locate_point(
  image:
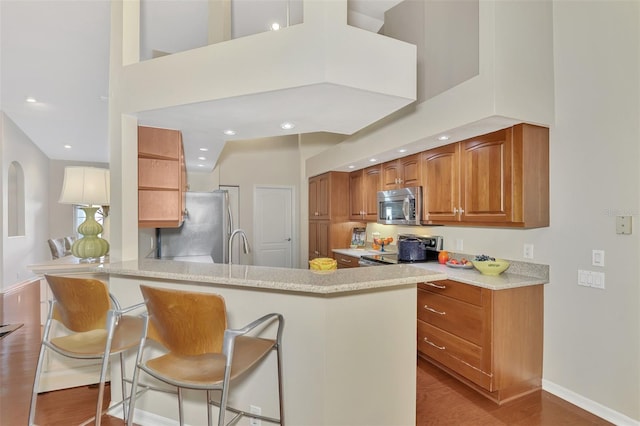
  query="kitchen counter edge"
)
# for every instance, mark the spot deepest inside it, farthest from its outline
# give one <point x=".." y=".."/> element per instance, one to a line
<point x="525" y="274"/>
<point x="271" y="278"/>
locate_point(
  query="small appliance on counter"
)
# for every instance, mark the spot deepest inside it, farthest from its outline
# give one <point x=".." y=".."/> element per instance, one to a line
<point x="411" y="248"/>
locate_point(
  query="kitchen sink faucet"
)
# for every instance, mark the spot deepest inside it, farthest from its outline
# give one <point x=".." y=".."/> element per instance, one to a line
<point x="245" y="242"/>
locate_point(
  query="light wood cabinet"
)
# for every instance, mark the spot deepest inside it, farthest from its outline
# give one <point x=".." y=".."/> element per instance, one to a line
<point x="329" y="196"/>
<point x="346" y="261"/>
<point x="329" y="225"/>
<point x="363" y="188"/>
<point x="501" y="178"/>
<point x="401" y="173"/>
<point x="489" y="339"/>
<point x="162" y="179"/>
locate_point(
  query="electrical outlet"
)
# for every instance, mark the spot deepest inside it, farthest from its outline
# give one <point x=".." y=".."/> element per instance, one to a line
<point x="253" y="409"/>
<point x="591" y="279"/>
<point x="528" y="251"/>
<point x="459" y="244"/>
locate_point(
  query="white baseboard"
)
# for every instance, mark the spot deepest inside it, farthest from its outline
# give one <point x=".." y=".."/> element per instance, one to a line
<point x="144" y="418"/>
<point x="593" y="407"/>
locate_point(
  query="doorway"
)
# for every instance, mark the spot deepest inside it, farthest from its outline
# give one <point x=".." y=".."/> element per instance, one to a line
<point x="273" y="220"/>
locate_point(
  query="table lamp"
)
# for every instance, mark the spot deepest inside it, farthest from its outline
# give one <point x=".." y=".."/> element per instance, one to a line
<point x="88" y="187"/>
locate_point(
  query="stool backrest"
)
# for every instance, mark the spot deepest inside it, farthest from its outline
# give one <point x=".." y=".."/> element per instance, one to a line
<point x="81" y="303"/>
<point x="186" y="323"/>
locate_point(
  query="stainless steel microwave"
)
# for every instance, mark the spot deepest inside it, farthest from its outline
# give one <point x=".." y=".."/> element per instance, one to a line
<point x="400" y="206"/>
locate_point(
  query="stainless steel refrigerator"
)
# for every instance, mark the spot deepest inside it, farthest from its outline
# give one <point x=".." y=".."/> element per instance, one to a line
<point x="204" y="233"/>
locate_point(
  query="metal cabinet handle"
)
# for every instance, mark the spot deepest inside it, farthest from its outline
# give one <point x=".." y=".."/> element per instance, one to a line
<point x="434" y="311"/>
<point x="442" y="348"/>
<point x="344" y="260"/>
<point x="430" y="284"/>
<point x="461" y="211"/>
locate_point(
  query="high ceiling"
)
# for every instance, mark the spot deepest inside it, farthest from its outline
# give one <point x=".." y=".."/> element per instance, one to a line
<point x="57" y="52"/>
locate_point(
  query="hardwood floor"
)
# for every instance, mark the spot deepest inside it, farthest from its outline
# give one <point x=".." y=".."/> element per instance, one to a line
<point x="441" y="400"/>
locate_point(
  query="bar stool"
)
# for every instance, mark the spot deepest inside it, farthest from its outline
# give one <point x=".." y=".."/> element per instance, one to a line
<point x="98" y="328"/>
<point x="201" y="353"/>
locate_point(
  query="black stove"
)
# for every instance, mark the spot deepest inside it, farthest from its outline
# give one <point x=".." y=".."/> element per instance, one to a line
<point x="387" y="259"/>
<point x="411" y="249"/>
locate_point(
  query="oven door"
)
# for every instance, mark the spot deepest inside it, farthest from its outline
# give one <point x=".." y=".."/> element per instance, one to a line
<point x="366" y="262"/>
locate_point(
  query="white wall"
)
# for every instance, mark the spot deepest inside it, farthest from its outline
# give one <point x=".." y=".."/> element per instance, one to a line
<point x="592" y="337"/>
<point x="269" y="161"/>
<point x="19" y="251"/>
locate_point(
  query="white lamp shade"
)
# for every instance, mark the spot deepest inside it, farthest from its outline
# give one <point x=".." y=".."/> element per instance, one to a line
<point x="85" y="186"/>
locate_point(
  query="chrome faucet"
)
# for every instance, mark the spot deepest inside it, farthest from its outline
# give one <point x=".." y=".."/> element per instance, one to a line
<point x="245" y="242"/>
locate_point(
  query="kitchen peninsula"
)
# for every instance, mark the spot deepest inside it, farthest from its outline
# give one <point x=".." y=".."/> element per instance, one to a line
<point x="349" y="342"/>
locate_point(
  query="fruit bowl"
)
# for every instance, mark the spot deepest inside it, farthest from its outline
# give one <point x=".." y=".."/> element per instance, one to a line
<point x="491" y="267"/>
<point x="323" y="264"/>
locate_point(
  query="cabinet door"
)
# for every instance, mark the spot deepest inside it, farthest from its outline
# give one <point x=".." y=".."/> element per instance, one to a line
<point x="371" y="186"/>
<point x="159" y="143"/>
<point x="313" y="240"/>
<point x="440" y="183"/>
<point x="356" y="195"/>
<point x="485" y="178"/>
<point x="410" y="171"/>
<point x="313" y="197"/>
<point x="390" y="175"/>
<point x="319" y="203"/>
<point x="318" y="239"/>
<point x="162" y="180"/>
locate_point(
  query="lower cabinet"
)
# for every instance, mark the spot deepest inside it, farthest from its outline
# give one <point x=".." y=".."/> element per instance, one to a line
<point x="489" y="339"/>
<point x="324" y="236"/>
<point x="345" y="261"/>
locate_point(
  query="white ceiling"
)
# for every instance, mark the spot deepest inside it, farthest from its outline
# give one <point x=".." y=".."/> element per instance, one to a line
<point x="57" y="52"/>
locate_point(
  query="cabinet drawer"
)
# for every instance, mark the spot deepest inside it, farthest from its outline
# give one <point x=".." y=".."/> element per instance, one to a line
<point x="345" y="261"/>
<point x="466" y="293"/>
<point x="459" y="318"/>
<point x="455" y="353"/>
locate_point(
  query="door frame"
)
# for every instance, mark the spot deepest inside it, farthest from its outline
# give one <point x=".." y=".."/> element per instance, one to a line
<point x="294" y="218"/>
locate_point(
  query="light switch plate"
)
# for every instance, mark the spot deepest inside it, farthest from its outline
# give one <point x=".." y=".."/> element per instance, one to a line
<point x="597" y="257"/>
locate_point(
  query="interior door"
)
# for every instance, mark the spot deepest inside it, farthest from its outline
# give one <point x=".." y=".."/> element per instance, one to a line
<point x="273" y="226"/>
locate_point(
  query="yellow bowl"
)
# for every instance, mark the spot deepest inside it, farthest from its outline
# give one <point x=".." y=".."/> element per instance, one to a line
<point x="491" y="267"/>
<point x="323" y="264"/>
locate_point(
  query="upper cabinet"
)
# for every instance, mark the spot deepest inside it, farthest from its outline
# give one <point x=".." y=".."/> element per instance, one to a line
<point x="329" y="196"/>
<point x="162" y="179"/>
<point x="500" y="179"/>
<point x="364" y="186"/>
<point x="401" y="173"/>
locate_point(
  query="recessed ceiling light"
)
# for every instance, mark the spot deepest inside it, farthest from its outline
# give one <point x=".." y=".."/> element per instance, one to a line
<point x="352" y="166"/>
<point x="202" y="158"/>
<point x="402" y="150"/>
<point x="275" y="26"/>
<point x="443" y="138"/>
<point x="200" y="165"/>
<point x="287" y="125"/>
<point x="373" y="160"/>
<point x="67" y="146"/>
<point x="229" y="132"/>
<point x="204" y="149"/>
<point x="30" y="99"/>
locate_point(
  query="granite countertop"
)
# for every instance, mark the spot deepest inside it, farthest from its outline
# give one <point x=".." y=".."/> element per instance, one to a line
<point x="519" y="274"/>
<point x="282" y="279"/>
